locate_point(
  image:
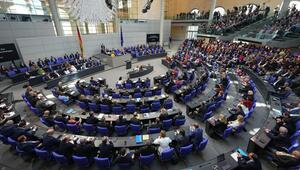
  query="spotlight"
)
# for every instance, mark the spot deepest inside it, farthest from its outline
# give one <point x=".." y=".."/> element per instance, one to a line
<point x="147" y="6"/>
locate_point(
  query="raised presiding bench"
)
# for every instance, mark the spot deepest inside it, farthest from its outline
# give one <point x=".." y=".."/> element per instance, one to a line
<point x="74" y="76"/>
<point x="115" y="61"/>
<point x="146" y="57"/>
<point x="141" y="72"/>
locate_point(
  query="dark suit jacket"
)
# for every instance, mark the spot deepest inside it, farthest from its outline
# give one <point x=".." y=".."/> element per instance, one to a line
<point x="66" y="149"/>
<point x="279" y="141"/>
<point x="145" y="150"/>
<point x="106" y="150"/>
<point x="92" y="120"/>
<point x="197" y="136"/>
<point x="8" y="130"/>
<point x="246" y="164"/>
<point x="121" y="122"/>
<point x="286" y="161"/>
<point x="86" y="149"/>
<point x="50" y="143"/>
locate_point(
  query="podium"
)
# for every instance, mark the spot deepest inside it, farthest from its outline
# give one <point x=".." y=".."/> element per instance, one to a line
<point x="128" y="64"/>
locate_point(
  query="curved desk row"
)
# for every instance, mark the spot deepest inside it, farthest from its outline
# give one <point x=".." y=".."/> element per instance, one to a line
<point x="141" y="72"/>
<point x="119" y="142"/>
<point x="74" y="76"/>
<point x="113" y="117"/>
<point x="146" y="57"/>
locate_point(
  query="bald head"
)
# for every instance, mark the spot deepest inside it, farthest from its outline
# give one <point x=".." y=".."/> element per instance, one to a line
<point x="283" y="130"/>
<point x="50" y="131"/>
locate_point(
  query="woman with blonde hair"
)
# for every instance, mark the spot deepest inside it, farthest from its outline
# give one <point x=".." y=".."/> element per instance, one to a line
<point x="236" y="123"/>
<point x="163" y="141"/>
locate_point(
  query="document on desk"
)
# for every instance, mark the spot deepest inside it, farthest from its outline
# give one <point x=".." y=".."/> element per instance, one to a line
<point x="100" y="116"/>
<point x="145" y="137"/>
<point x="69" y="111"/>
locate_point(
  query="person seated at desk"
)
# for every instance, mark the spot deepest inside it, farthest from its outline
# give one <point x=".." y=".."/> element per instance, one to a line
<point x="73" y="120"/>
<point x="53" y="59"/>
<point x="236" y="123"/>
<point x="66" y="71"/>
<point x="61" y="88"/>
<point x="291" y="108"/>
<point x="72" y="69"/>
<point x="224" y="81"/>
<point x="41" y="71"/>
<point x="235" y="112"/>
<point x="124" y="157"/>
<point x="278" y="141"/>
<point x="179" y="116"/>
<point x="121" y="121"/>
<point x="66" y="148"/>
<point x="40" y="63"/>
<point x="106" y="148"/>
<point x="218" y="125"/>
<point x="285" y="160"/>
<point x="155" y="124"/>
<point x="106" y="100"/>
<point x="250" y="162"/>
<point x="245" y="87"/>
<point x="196" y="134"/>
<point x="120" y="82"/>
<point x="63" y="97"/>
<point x="49" y="143"/>
<point x="148" y="149"/>
<point x="103" y="123"/>
<point x="32" y="98"/>
<point x="83" y="98"/>
<point x="61" y="118"/>
<point x="135" y="120"/>
<point x="27" y="146"/>
<point x="163" y="141"/>
<point x="181" y="139"/>
<point x="86" y="148"/>
<point x="21" y="129"/>
<point x="128" y="81"/>
<point x="92" y="81"/>
<point x="91" y="119"/>
<point x="47" y="118"/>
<point x="198" y="112"/>
<point x="8" y="128"/>
<point x="279" y="82"/>
<point x="163" y="114"/>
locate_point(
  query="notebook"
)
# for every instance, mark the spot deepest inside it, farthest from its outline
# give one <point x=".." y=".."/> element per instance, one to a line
<point x="138" y="139"/>
<point x="145" y="137"/>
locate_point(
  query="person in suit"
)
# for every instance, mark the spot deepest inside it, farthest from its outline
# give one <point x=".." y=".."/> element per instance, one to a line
<point x="8" y="128"/>
<point x="181" y="139"/>
<point x="106" y="148"/>
<point x="61" y="118"/>
<point x="279" y="82"/>
<point x="124" y="157"/>
<point x="106" y="101"/>
<point x="155" y="124"/>
<point x="121" y="121"/>
<point x="249" y="163"/>
<point x="179" y="116"/>
<point x="49" y="143"/>
<point x="86" y="148"/>
<point x="135" y="120"/>
<point x="91" y="119"/>
<point x="280" y="140"/>
<point x="285" y="160"/>
<point x="220" y="124"/>
<point x="163" y="114"/>
<point x="148" y="149"/>
<point x="48" y="119"/>
<point x="23" y="130"/>
<point x="27" y="146"/>
<point x="196" y="135"/>
<point x="66" y="148"/>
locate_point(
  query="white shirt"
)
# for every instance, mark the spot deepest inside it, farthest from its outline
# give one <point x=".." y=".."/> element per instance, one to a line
<point x="163" y="143"/>
<point x="73" y="69"/>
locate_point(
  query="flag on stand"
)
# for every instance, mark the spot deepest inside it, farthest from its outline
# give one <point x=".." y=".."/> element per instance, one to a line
<point x="80" y="41"/>
<point x="122" y="40"/>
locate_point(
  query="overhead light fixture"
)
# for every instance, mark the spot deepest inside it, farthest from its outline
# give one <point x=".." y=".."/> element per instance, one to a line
<point x="92" y="11"/>
<point x="147" y="6"/>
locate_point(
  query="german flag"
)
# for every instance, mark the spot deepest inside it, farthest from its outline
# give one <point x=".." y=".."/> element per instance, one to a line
<point x="80" y="41"/>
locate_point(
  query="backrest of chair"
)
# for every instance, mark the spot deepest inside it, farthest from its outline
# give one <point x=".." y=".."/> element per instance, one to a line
<point x="137" y="95"/>
<point x="88" y="127"/>
<point x="104" y="108"/>
<point x="153" y="130"/>
<point x="93" y="106"/>
<point x="124" y="165"/>
<point x="157" y="92"/>
<point x="130" y="108"/>
<point x="121" y="130"/>
<point x="116" y="95"/>
<point x="202" y="144"/>
<point x="294" y="146"/>
<point x="167" y="123"/>
<point x="82" y="105"/>
<point x="147" y="159"/>
<point x="61" y="159"/>
<point x="167" y="154"/>
<point x="148" y="94"/>
<point x="295" y="135"/>
<point x="168" y="104"/>
<point x="103" y="163"/>
<point x="42" y="154"/>
<point x="298" y="125"/>
<point x="185" y="150"/>
<point x="60" y="124"/>
<point x="128" y="85"/>
<point x="81" y="161"/>
<point x="117" y="109"/>
<point x="73" y="128"/>
<point x="179" y="122"/>
<point x="145" y="110"/>
<point x="227" y="132"/>
<point x="103" y="131"/>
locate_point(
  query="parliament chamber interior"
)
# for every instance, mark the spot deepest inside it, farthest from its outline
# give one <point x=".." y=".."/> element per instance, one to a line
<point x="150" y="84"/>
